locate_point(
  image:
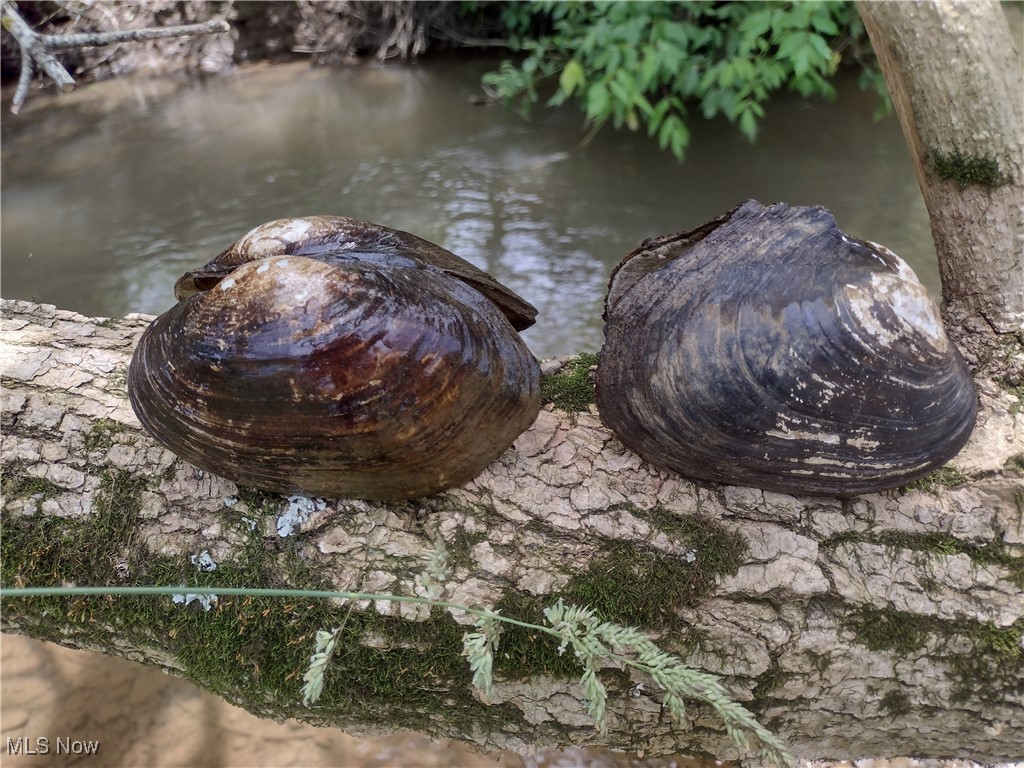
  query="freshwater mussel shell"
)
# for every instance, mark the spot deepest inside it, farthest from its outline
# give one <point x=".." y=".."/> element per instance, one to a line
<point x="333" y="377"/>
<point x="768" y="349"/>
<point x="341" y="240"/>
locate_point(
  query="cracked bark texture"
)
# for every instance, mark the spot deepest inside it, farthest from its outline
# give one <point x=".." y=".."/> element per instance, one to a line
<point x="791" y="630"/>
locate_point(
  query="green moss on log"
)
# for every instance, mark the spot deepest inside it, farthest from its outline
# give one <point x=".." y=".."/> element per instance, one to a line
<point x="571" y="388"/>
<point x="992" y="667"/>
<point x="936" y="480"/>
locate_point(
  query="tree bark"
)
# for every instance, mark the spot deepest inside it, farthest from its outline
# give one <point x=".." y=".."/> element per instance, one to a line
<point x="955" y="80"/>
<point x="883" y="625"/>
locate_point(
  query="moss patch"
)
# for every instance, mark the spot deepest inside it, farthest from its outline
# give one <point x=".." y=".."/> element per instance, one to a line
<point x="993" y="667"/>
<point x="636" y="585"/>
<point x="523" y="652"/>
<point x="896" y="704"/>
<point x="891" y="630"/>
<point x="1017" y="390"/>
<point x="102" y="436"/>
<point x="19" y="485"/>
<point x="571" y="388"/>
<point x="942" y="544"/>
<point x="769" y="680"/>
<point x="248" y="650"/>
<point x="258" y="501"/>
<point x="460" y="546"/>
<point x="628" y="583"/>
<point x="1014" y="463"/>
<point x="52" y="550"/>
<point x="935" y="481"/>
<point x="966" y="170"/>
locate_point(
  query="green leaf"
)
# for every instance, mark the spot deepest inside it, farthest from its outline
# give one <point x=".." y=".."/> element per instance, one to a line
<point x="657" y="115"/>
<point x="757" y="23"/>
<point x="619" y="91"/>
<point x="674" y="32"/>
<point x="822" y="21"/>
<point x="748" y="124"/>
<point x="791" y="43"/>
<point x="674" y="135"/>
<point x="817" y="42"/>
<point x="636" y="64"/>
<point x="726" y="74"/>
<point x="649" y="66"/>
<point x="802" y="61"/>
<point x="598" y="101"/>
<point x="572" y="77"/>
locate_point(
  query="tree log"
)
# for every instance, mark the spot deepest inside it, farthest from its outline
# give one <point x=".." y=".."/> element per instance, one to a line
<point x="881" y="625"/>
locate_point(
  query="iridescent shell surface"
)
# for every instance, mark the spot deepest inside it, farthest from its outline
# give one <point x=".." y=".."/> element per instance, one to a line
<point x="340" y="240"/>
<point x="769" y="349"/>
<point x="343" y="371"/>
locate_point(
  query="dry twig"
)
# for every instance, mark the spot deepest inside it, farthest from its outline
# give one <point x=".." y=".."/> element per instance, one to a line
<point x="36" y="49"/>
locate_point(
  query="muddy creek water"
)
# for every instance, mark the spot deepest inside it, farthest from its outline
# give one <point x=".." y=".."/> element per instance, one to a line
<point x="109" y="194"/>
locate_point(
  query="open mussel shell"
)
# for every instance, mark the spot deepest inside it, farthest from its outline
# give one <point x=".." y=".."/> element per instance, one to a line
<point x="768" y="349"/>
<point x="362" y="378"/>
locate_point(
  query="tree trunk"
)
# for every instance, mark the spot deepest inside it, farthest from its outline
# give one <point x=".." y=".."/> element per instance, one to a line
<point x="883" y="625"/>
<point x="955" y="80"/>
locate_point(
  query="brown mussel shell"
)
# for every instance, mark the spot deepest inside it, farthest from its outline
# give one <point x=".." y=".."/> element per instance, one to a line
<point x="337" y="239"/>
<point x="367" y="378"/>
<point x="768" y="349"/>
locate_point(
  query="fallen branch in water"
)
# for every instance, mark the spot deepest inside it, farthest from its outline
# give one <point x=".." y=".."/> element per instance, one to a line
<point x="36" y="49"/>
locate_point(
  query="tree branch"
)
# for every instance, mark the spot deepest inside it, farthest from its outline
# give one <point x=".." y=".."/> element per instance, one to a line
<point x="35" y="48"/>
<point x="887" y="624"/>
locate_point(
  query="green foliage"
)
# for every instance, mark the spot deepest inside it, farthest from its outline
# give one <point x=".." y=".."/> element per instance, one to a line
<point x="648" y="65"/>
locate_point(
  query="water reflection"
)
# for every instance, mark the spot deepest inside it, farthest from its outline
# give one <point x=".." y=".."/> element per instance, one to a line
<point x="110" y="194"/>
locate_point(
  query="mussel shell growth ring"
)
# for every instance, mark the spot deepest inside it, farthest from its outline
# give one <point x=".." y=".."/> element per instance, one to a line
<point x="769" y="349"/>
<point x="341" y="372"/>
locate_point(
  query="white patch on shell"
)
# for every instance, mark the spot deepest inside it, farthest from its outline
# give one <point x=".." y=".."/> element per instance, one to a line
<point x="862" y="443"/>
<point x="901" y="297"/>
<point x="828" y="388"/>
<point x="272" y="238"/>
<point x="902" y="268"/>
<point x="226" y="284"/>
<point x="263" y="267"/>
<point x="819" y="437"/>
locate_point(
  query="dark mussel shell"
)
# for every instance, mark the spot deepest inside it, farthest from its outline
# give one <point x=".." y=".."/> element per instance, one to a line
<point x="368" y="378"/>
<point x="769" y="349"/>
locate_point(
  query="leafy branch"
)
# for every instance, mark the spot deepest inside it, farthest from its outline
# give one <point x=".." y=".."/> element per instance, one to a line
<point x="647" y="65"/>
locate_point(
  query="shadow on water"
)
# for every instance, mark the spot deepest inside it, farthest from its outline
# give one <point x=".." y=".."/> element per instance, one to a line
<point x="111" y="193"/>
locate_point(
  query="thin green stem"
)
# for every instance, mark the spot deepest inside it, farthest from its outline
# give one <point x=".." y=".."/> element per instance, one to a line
<point x="250" y="592"/>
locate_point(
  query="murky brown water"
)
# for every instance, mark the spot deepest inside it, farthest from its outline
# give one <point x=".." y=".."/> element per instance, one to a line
<point x="109" y="194"/>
